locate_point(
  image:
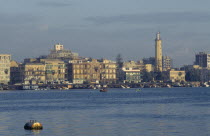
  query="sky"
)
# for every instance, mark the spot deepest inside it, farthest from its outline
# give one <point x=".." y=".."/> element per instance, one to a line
<point x="105" y="28"/>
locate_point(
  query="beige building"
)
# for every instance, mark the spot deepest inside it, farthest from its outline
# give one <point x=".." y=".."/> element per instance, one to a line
<point x="5" y="68"/>
<point x="60" y="53"/>
<point x="52" y="71"/>
<point x="134" y="65"/>
<point x="149" y="67"/>
<point x="167" y="63"/>
<point x="55" y="70"/>
<point x="107" y="71"/>
<point x="91" y="71"/>
<point x="176" y="76"/>
<point x="32" y="73"/>
<point x="158" y="53"/>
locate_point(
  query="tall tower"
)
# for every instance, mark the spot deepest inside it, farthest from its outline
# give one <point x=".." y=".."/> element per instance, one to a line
<point x="158" y="53"/>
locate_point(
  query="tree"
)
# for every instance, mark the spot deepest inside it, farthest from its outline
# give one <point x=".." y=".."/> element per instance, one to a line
<point x="192" y="75"/>
<point x="119" y="61"/>
<point x="147" y="76"/>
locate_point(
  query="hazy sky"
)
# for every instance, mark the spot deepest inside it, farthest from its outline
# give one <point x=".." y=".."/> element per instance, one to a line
<point x="105" y="28"/>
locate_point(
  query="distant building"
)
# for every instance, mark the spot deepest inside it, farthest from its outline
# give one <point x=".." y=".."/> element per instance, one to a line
<point x="131" y="72"/>
<point x="5" y="68"/>
<point x="134" y="65"/>
<point x="202" y="59"/>
<point x="131" y="75"/>
<point x="32" y="73"/>
<point x="92" y="71"/>
<point x="176" y="75"/>
<point x="167" y="63"/>
<point x="55" y="70"/>
<point x="149" y="67"/>
<point x="43" y="70"/>
<point x="60" y="53"/>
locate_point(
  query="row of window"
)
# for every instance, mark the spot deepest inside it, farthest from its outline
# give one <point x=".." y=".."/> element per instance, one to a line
<point x="4" y="77"/>
<point x="5" y="65"/>
<point x="4" y="61"/>
<point x="89" y="71"/>
<point x="94" y="77"/>
<point x="4" y="57"/>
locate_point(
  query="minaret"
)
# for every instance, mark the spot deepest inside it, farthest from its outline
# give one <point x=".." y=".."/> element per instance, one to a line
<point x="158" y="53"/>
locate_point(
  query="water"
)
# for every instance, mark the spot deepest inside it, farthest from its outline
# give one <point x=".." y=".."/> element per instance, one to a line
<point x="118" y="112"/>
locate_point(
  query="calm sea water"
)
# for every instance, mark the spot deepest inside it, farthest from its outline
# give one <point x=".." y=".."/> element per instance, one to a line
<point x="118" y="112"/>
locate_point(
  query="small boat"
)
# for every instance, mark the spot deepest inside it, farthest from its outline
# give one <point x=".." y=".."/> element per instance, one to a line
<point x="138" y="90"/>
<point x="103" y="90"/>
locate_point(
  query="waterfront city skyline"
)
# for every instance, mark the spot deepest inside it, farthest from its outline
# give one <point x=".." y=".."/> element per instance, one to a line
<point x="105" y="28"/>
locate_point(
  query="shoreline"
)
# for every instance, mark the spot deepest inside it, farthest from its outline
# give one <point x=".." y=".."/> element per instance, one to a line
<point x="98" y="86"/>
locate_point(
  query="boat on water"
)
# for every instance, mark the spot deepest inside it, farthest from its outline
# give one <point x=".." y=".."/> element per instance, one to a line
<point x="138" y="90"/>
<point x="103" y="90"/>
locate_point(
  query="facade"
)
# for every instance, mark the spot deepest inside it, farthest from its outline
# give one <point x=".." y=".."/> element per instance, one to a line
<point x="149" y="67"/>
<point x="35" y="71"/>
<point x="32" y="73"/>
<point x="134" y="65"/>
<point x="131" y="75"/>
<point x="92" y="71"/>
<point x="60" y="53"/>
<point x="203" y="60"/>
<point x="55" y="70"/>
<point x="108" y="71"/>
<point x="176" y="76"/>
<point x="167" y="63"/>
<point x="158" y="53"/>
<point x="5" y="68"/>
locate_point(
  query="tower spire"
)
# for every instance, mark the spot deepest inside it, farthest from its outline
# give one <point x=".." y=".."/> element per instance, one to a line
<point x="158" y="36"/>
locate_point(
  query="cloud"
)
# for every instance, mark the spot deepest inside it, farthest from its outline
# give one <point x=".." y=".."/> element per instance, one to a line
<point x="153" y="18"/>
<point x="21" y="18"/>
<point x="54" y="4"/>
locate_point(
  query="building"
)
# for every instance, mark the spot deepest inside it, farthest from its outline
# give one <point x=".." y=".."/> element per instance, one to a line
<point x="202" y="59"/>
<point x="134" y="65"/>
<point x="55" y="70"/>
<point x="107" y="71"/>
<point x="92" y="71"/>
<point x="32" y="73"/>
<point x="176" y="75"/>
<point x="149" y="67"/>
<point x="60" y="53"/>
<point x="5" y="68"/>
<point x="167" y="63"/>
<point x="131" y="75"/>
<point x="158" y="53"/>
<point x="131" y="72"/>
